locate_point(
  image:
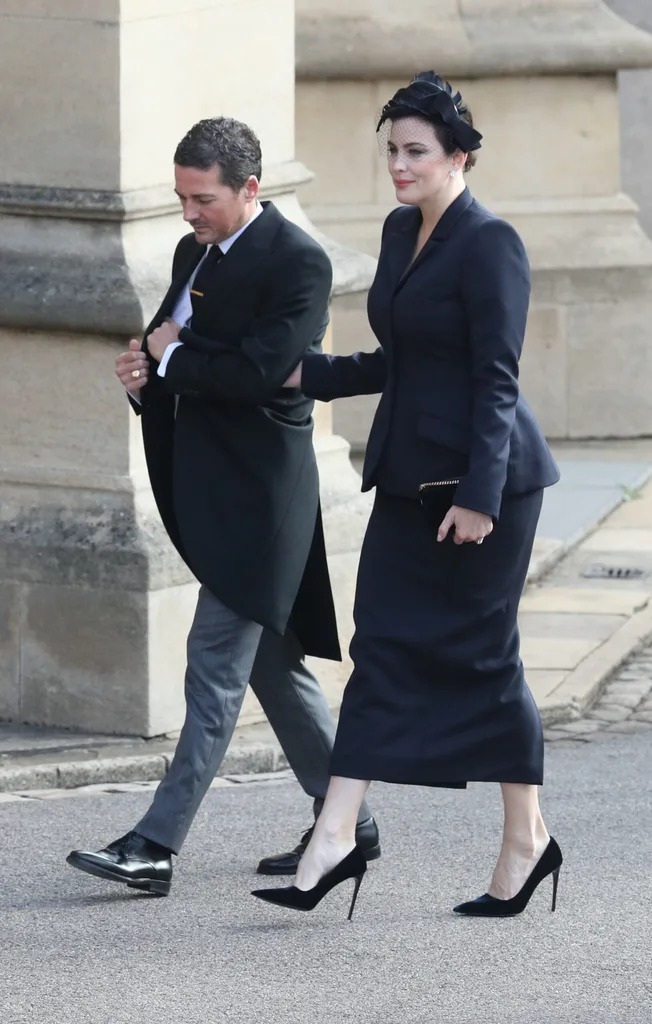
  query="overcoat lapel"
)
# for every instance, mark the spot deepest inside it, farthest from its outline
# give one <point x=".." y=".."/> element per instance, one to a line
<point x="244" y="255"/>
<point x="252" y="247"/>
<point x="184" y="270"/>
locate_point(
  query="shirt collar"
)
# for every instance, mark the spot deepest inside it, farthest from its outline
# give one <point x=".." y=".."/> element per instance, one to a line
<point x="228" y="242"/>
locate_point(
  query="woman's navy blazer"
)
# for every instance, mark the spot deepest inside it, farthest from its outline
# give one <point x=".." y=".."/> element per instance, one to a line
<point x="450" y="327"/>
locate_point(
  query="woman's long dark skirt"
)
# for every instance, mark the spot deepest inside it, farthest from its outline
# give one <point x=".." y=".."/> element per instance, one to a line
<point x="438" y="696"/>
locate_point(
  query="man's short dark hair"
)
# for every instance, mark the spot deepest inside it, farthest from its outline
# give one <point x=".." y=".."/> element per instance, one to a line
<point x="225" y="143"/>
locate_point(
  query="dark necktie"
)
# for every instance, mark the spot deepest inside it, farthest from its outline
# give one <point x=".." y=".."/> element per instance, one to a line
<point x="204" y="277"/>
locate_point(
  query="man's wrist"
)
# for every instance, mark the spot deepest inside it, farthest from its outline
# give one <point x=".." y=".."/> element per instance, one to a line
<point x="165" y="358"/>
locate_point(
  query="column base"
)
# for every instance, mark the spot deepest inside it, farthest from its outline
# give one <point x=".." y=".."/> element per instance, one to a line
<point x="87" y="639"/>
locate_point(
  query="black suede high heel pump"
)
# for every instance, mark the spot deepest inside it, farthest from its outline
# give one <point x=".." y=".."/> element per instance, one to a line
<point x="354" y="866"/>
<point x="489" y="906"/>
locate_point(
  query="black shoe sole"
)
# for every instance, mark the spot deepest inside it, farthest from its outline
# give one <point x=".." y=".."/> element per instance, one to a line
<point x="373" y="853"/>
<point x="152" y="885"/>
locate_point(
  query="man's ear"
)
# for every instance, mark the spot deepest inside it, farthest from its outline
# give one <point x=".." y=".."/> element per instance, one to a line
<point x="252" y="188"/>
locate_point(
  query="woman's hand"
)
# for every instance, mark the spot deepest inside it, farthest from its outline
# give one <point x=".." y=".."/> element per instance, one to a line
<point x="294" y="380"/>
<point x="469" y="526"/>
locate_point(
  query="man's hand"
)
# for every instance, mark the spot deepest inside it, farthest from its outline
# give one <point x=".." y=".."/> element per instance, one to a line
<point x="129" y="363"/>
<point x="294" y="380"/>
<point x="469" y="526"/>
<point x="163" y="336"/>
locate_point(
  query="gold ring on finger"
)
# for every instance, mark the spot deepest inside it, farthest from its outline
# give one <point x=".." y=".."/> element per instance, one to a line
<point x="135" y="373"/>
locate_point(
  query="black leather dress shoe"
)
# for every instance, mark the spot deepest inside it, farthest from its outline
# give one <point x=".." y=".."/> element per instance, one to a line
<point x="366" y="837"/>
<point x="133" y="860"/>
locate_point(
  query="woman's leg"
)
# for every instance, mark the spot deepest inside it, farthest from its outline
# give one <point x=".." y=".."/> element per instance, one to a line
<point x="334" y="834"/>
<point x="525" y="837"/>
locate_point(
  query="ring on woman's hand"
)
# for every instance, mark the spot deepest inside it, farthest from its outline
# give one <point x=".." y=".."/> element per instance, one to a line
<point x="481" y="541"/>
<point x="135" y="373"/>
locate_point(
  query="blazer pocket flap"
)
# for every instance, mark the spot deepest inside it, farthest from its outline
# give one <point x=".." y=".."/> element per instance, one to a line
<point x="444" y="432"/>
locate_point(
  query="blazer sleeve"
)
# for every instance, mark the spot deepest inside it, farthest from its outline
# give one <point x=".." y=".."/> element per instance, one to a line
<point x="496" y="294"/>
<point x="289" y="318"/>
<point x="326" y="377"/>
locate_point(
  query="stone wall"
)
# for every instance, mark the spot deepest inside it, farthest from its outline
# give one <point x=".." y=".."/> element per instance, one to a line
<point x="541" y="78"/>
<point x="95" y="604"/>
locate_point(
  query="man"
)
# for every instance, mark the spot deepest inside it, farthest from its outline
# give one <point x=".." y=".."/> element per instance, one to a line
<point x="234" y="475"/>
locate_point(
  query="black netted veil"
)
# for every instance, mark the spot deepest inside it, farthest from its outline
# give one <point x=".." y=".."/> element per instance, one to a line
<point x="431" y="97"/>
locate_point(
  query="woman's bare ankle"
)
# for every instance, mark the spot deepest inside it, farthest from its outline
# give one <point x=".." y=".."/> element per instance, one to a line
<point x="334" y="833"/>
<point x="528" y="842"/>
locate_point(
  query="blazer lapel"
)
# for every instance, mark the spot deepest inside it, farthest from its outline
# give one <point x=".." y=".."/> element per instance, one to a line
<point x="400" y="249"/>
<point x="442" y="231"/>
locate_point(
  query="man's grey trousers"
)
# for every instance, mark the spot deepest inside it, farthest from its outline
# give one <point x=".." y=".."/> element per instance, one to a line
<point x="225" y="653"/>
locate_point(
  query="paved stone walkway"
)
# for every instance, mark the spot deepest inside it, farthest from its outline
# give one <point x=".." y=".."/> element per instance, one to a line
<point x="577" y="629"/>
<point x="625" y="707"/>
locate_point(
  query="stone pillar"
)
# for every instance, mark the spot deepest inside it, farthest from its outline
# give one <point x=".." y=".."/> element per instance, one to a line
<point x="541" y="77"/>
<point x="635" y="90"/>
<point x="94" y="602"/>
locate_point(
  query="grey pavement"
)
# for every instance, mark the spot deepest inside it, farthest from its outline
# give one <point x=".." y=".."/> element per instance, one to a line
<point x="76" y="949"/>
<point x="587" y="492"/>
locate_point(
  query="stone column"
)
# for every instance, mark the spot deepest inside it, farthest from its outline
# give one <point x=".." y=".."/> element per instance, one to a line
<point x="94" y="602"/>
<point x="541" y="78"/>
<point x="635" y="91"/>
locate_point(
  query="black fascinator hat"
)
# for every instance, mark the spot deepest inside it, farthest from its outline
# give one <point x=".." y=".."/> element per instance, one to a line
<point x="430" y="97"/>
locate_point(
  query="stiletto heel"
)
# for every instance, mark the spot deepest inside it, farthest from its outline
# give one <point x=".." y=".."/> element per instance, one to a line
<point x="354" y="866"/>
<point x="358" y="883"/>
<point x="489" y="906"/>
<point x="555" y="883"/>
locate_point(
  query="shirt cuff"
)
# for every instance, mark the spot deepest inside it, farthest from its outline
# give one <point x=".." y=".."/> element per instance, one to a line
<point x="163" y="365"/>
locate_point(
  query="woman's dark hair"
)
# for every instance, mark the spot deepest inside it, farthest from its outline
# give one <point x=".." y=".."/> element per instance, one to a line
<point x="225" y="143"/>
<point x="431" y="99"/>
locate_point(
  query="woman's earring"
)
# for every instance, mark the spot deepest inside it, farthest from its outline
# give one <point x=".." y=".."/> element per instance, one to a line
<point x="453" y="174"/>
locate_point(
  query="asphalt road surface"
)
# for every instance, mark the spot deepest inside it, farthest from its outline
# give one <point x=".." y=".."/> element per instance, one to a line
<point x="76" y="949"/>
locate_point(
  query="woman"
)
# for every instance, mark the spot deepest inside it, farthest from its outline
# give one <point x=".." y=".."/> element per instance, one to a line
<point x="437" y="696"/>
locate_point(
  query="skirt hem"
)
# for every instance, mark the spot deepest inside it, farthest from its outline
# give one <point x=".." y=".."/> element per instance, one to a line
<point x="413" y="774"/>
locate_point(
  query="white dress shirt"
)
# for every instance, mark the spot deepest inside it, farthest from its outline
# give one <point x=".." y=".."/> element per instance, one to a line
<point x="182" y="312"/>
